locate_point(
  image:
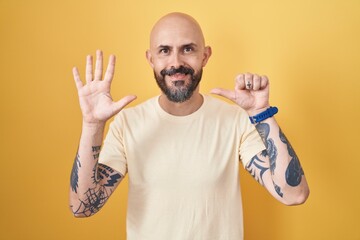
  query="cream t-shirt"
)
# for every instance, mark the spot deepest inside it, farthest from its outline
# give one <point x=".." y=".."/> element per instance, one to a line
<point x="183" y="171"/>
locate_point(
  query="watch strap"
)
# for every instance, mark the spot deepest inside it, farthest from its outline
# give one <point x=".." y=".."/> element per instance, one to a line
<point x="271" y="111"/>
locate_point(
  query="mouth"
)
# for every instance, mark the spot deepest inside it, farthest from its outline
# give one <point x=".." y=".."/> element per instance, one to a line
<point x="177" y="77"/>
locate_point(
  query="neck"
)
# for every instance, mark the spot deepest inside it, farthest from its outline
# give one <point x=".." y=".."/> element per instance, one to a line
<point x="184" y="108"/>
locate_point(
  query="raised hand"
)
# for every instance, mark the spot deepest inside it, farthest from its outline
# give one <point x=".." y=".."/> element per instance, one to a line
<point x="251" y="92"/>
<point x="96" y="103"/>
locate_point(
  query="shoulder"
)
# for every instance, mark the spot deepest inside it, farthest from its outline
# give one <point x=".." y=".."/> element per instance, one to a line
<point x="222" y="107"/>
<point x="139" y="112"/>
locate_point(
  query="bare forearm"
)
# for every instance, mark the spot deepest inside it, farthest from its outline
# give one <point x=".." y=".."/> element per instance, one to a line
<point x="285" y="177"/>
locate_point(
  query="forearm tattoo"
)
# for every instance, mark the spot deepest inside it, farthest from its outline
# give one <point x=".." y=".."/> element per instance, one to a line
<point x="294" y="171"/>
<point x="256" y="167"/>
<point x="96" y="148"/>
<point x="104" y="178"/>
<point x="93" y="201"/>
<point x="74" y="177"/>
<point x="96" y="152"/>
<point x="264" y="130"/>
<point x="271" y="151"/>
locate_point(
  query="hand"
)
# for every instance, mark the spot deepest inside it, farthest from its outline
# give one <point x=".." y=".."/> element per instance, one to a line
<point x="251" y="93"/>
<point x="96" y="103"/>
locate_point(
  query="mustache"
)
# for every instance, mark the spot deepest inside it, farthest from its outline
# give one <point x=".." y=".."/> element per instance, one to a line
<point x="181" y="69"/>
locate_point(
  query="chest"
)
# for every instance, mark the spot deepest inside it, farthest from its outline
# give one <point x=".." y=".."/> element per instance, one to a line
<point x="195" y="154"/>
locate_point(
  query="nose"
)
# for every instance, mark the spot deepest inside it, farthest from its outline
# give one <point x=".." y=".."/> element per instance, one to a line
<point x="176" y="60"/>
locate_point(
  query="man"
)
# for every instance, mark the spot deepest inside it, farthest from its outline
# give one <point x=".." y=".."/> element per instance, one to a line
<point x="181" y="150"/>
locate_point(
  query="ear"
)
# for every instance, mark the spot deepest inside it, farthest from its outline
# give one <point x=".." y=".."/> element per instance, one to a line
<point x="207" y="54"/>
<point x="149" y="58"/>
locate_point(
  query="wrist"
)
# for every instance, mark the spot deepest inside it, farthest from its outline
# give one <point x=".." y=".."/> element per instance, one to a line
<point x="253" y="112"/>
<point x="93" y="125"/>
<point x="259" y="117"/>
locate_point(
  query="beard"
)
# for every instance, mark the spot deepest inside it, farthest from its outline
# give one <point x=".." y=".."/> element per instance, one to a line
<point x="179" y="92"/>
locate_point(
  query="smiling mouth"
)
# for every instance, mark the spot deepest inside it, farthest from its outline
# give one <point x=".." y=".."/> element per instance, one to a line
<point x="177" y="76"/>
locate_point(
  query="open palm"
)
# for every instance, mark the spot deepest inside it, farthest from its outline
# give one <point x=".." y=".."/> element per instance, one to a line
<point x="95" y="99"/>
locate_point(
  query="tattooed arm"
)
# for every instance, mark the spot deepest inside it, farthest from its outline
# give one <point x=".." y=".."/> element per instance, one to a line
<point x="91" y="184"/>
<point x="277" y="168"/>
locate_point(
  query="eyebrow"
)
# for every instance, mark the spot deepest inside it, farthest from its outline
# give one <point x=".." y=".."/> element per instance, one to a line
<point x="184" y="45"/>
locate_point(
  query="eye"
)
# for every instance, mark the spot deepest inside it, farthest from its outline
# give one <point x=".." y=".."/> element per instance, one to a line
<point x="188" y="49"/>
<point x="164" y="51"/>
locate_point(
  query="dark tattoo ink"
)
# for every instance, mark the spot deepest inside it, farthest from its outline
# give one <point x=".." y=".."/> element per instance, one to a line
<point x="94" y="201"/>
<point x="255" y="166"/>
<point x="105" y="172"/>
<point x="248" y="85"/>
<point x="96" y="156"/>
<point x="264" y="130"/>
<point x="294" y="171"/>
<point x="96" y="148"/>
<point x="96" y="197"/>
<point x="74" y="178"/>
<point x="95" y="179"/>
<point x="278" y="190"/>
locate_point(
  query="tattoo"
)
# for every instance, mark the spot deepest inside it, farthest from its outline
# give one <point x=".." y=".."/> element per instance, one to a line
<point x="294" y="171"/>
<point x="278" y="189"/>
<point x="74" y="178"/>
<point x="96" y="148"/>
<point x="264" y="130"/>
<point x="105" y="172"/>
<point x="255" y="165"/>
<point x="95" y="179"/>
<point x="248" y="85"/>
<point x="95" y="198"/>
<point x="94" y="201"/>
<point x="96" y="156"/>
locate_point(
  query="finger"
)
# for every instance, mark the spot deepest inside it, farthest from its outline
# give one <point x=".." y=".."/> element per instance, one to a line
<point x="88" y="74"/>
<point x="109" y="74"/>
<point x="264" y="82"/>
<point x="240" y="82"/>
<point x="256" y="82"/>
<point x="77" y="79"/>
<point x="98" y="65"/>
<point x="249" y="81"/>
<point x="224" y="93"/>
<point x="117" y="106"/>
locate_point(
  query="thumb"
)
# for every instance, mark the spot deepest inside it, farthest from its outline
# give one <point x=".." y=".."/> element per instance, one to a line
<point x="117" y="106"/>
<point x="224" y="93"/>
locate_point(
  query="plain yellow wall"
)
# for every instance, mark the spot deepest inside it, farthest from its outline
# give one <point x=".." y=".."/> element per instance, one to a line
<point x="309" y="49"/>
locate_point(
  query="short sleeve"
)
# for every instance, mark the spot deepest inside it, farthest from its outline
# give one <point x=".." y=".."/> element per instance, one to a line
<point x="113" y="150"/>
<point x="250" y="143"/>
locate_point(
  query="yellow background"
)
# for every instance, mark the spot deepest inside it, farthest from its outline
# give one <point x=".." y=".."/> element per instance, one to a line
<point x="309" y="49"/>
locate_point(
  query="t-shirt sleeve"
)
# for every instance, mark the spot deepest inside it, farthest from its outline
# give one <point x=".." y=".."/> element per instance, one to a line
<point x="113" y="150"/>
<point x="250" y="142"/>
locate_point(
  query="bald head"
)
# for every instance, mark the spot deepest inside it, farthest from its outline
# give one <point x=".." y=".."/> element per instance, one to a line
<point x="175" y="25"/>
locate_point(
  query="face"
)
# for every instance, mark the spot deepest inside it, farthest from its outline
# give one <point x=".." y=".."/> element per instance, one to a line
<point x="177" y="55"/>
